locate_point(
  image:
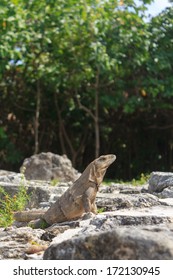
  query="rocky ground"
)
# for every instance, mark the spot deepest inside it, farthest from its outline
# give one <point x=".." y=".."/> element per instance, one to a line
<point x="135" y="222"/>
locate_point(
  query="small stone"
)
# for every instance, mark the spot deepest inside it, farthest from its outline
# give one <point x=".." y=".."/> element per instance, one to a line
<point x="32" y="249"/>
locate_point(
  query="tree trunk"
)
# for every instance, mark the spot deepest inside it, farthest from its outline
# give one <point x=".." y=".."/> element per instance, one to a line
<point x="61" y="138"/>
<point x="96" y="119"/>
<point x="37" y="118"/>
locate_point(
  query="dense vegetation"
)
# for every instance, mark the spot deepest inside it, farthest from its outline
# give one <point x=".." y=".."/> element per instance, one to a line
<point x="86" y="77"/>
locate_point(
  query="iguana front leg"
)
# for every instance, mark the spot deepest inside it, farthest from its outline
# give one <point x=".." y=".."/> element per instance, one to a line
<point x="88" y="207"/>
<point x="94" y="208"/>
<point x="86" y="203"/>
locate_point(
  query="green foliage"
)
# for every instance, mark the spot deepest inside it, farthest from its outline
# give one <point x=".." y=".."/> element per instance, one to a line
<point x="101" y="210"/>
<point x="10" y="204"/>
<point x="141" y="181"/>
<point x="69" y="67"/>
<point x="8" y="151"/>
<point x="54" y="182"/>
<point x="159" y="64"/>
<point x="43" y="224"/>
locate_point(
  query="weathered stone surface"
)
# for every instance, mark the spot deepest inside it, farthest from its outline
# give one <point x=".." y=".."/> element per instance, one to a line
<point x="111" y="201"/>
<point x="167" y="193"/>
<point x="49" y="166"/>
<point x="14" y="242"/>
<point x="10" y="182"/>
<point x="11" y="177"/>
<point x="119" y="244"/>
<point x="123" y="188"/>
<point x="136" y="224"/>
<point x="159" y="181"/>
<point x="112" y="220"/>
<point x="42" y="193"/>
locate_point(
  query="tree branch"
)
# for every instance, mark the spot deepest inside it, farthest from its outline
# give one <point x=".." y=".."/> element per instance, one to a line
<point x="81" y="106"/>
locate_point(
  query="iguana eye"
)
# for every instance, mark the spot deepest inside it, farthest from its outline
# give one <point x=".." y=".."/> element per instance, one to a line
<point x="102" y="158"/>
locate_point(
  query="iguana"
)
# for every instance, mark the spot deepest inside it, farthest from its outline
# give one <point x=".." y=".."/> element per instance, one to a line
<point x="77" y="199"/>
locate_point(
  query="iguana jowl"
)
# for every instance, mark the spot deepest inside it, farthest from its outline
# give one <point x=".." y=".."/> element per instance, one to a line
<point x="80" y="197"/>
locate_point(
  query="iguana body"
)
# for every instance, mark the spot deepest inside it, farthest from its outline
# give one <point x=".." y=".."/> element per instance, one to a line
<point x="80" y="197"/>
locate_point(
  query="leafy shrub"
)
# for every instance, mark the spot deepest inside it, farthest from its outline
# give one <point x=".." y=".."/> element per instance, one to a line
<point x="142" y="180"/>
<point x="10" y="204"/>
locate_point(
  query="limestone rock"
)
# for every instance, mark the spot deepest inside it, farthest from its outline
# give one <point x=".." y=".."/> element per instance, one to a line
<point x="41" y="193"/>
<point x="135" y="224"/>
<point x="123" y="188"/>
<point x="10" y="177"/>
<point x="159" y="181"/>
<point x="119" y="244"/>
<point x="111" y="201"/>
<point x="49" y="166"/>
<point x="167" y="192"/>
<point x="14" y="242"/>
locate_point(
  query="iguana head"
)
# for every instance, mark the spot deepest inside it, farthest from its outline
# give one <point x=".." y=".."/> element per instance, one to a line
<point x="99" y="167"/>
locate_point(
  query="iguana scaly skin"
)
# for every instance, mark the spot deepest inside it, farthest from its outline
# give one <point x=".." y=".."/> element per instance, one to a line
<point x="80" y="197"/>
